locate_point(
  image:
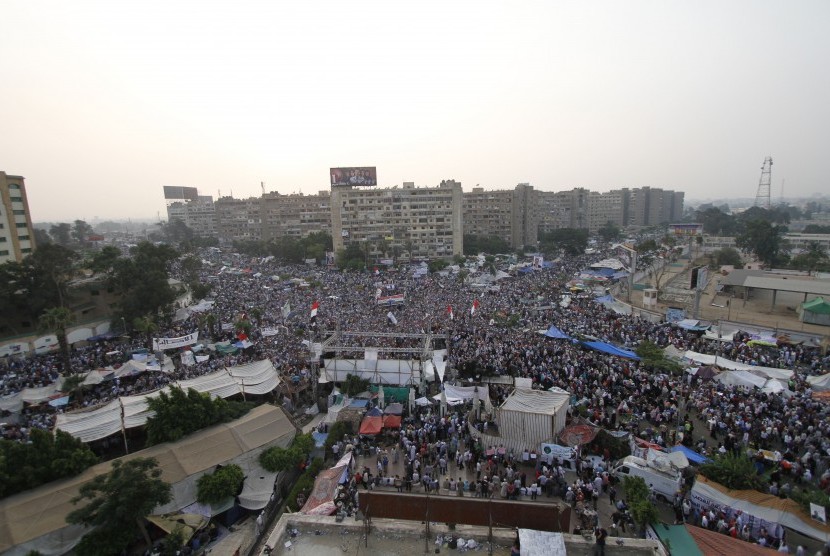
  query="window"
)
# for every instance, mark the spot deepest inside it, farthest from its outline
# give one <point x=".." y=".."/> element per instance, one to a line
<point x="4" y="253"/>
<point x="22" y="237"/>
<point x="19" y="212"/>
<point x="22" y="225"/>
<point x="16" y="199"/>
<point x="26" y="250"/>
<point x="3" y="239"/>
<point x="14" y="186"/>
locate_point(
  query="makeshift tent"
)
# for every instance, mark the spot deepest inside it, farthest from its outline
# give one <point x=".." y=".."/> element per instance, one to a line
<point x="36" y="519"/>
<point x="391" y="421"/>
<point x="707" y="372"/>
<point x="188" y="524"/>
<point x="741" y="378"/>
<point x="765" y="510"/>
<point x="321" y="501"/>
<point x="372" y="423"/>
<point x="393" y="409"/>
<point x="690" y="454"/>
<point x="529" y="417"/>
<point x="820" y="383"/>
<point x="93" y="424"/>
<point x="712" y="543"/>
<point x="816" y="311"/>
<point x="723" y="363"/>
<point x="692" y="325"/>
<point x="391" y="393"/>
<point x="611" y="349"/>
<point x="678" y="538"/>
<point x="459" y="394"/>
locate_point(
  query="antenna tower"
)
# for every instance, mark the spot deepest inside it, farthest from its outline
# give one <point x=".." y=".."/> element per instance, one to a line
<point x="762" y="198"/>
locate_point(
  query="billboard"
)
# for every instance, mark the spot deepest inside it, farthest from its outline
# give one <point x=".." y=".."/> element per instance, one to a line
<point x="363" y="175"/>
<point x="686" y="230"/>
<point x="177" y="192"/>
<point x="700" y="277"/>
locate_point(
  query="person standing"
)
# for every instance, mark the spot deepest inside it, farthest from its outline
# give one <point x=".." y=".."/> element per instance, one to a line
<point x="600" y="534"/>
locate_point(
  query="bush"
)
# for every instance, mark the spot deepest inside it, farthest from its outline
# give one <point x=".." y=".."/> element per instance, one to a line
<point x="283" y="459"/>
<point x="304" y="484"/>
<point x="734" y="471"/>
<point x="223" y="483"/>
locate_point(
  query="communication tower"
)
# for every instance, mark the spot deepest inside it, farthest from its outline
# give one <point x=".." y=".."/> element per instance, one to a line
<point x="762" y="198"/>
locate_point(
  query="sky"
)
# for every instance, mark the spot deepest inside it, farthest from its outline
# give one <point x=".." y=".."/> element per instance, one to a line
<point x="103" y="103"/>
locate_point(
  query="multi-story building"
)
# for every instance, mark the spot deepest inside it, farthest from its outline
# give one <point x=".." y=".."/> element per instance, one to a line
<point x="198" y="214"/>
<point x="563" y="209"/>
<point x="238" y="219"/>
<point x="509" y="215"/>
<point x="612" y="206"/>
<point x="638" y="207"/>
<point x="421" y="221"/>
<point x="295" y="215"/>
<point x="17" y="236"/>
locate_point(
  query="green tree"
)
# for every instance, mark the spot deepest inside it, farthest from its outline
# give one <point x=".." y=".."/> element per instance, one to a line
<point x="104" y="260"/>
<point x="728" y="257"/>
<point x="353" y="257"/>
<point x="609" y="232"/>
<point x="147" y="326"/>
<point x="179" y="413"/>
<point x="61" y="233"/>
<point x="716" y="222"/>
<point x="437" y="265"/>
<point x="142" y="282"/>
<point x="764" y="240"/>
<point x="354" y="385"/>
<point x="81" y="232"/>
<point x="734" y="471"/>
<point x="652" y="356"/>
<point x="117" y="504"/>
<point x="284" y="459"/>
<point x="636" y="493"/>
<point x="814" y="259"/>
<point x="213" y="488"/>
<point x="57" y="320"/>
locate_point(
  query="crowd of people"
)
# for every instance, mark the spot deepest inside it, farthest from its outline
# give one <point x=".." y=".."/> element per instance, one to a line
<point x="490" y="331"/>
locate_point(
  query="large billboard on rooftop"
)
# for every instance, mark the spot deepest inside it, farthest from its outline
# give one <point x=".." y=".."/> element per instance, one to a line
<point x="178" y="192"/>
<point x="362" y="175"/>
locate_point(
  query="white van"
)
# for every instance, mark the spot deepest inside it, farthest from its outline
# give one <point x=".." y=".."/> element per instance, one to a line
<point x="664" y="483"/>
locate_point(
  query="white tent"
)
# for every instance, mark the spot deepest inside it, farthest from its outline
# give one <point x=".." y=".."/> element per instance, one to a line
<point x="819" y="383"/>
<point x="741" y="378"/>
<point x="722" y="362"/>
<point x="529" y="417"/>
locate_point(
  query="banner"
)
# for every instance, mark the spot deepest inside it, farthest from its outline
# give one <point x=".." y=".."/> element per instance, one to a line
<point x="175" y="343"/>
<point x="286" y="310"/>
<point x="269" y="331"/>
<point x="563" y="453"/>
<point x="398" y="299"/>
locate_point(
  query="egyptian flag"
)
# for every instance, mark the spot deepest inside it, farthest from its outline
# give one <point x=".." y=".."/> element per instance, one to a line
<point x="474" y="308"/>
<point x="449" y="312"/>
<point x="241" y="336"/>
<point x="314" y="307"/>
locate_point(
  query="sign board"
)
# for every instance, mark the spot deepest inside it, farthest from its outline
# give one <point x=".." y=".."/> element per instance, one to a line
<point x="183" y="193"/>
<point x="675" y="314"/>
<point x="362" y="175"/>
<point x="700" y="277"/>
<point x="686" y="230"/>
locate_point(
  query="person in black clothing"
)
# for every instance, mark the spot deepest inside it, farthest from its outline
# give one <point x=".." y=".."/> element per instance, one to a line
<point x="601" y="534"/>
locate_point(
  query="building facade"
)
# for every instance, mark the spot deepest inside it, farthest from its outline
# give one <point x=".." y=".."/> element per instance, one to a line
<point x="199" y="215"/>
<point x="17" y="236"/>
<point x="508" y="214"/>
<point x="423" y="222"/>
<point x="562" y="209"/>
<point x="295" y="216"/>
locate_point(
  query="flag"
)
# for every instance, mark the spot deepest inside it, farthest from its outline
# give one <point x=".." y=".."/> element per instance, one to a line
<point x="314" y="307"/>
<point x="286" y="310"/>
<point x="241" y="336"/>
<point x="391" y="318"/>
<point x="474" y="308"/>
<point x="449" y="312"/>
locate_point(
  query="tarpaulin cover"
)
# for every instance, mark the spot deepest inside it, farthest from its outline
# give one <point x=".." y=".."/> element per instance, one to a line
<point x="723" y="363"/>
<point x="611" y="349"/>
<point x="371" y="425"/>
<point x="819" y="383"/>
<point x="554" y="332"/>
<point x="374" y="412"/>
<point x="690" y="454"/>
<point x="321" y="499"/>
<point x="391" y="421"/>
<point x="693" y="325"/>
<point x="578" y="434"/>
<point x="541" y="543"/>
<point x="393" y="409"/>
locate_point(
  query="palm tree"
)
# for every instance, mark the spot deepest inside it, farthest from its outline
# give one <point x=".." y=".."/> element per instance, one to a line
<point x="57" y="320"/>
<point x="210" y="322"/>
<point x="146" y="325"/>
<point x="74" y="386"/>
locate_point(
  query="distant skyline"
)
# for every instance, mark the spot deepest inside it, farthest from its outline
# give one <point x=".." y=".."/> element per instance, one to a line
<point x="103" y="103"/>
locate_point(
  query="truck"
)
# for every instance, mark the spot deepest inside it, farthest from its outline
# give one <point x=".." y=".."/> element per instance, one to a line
<point x="664" y="480"/>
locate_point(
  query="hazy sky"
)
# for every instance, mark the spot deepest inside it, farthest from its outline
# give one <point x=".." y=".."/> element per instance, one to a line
<point x="103" y="103"/>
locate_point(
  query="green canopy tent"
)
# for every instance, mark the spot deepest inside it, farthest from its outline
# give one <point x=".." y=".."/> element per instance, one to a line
<point x="815" y="311"/>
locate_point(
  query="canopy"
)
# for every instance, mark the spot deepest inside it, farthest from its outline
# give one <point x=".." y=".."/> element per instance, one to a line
<point x="741" y="378"/>
<point x="693" y="325"/>
<point x="371" y="425"/>
<point x="529" y="417"/>
<point x="391" y="421"/>
<point x="321" y="500"/>
<point x="819" y="383"/>
<point x="393" y="409"/>
<point x="611" y="349"/>
<point x="690" y="454"/>
<point x="707" y="372"/>
<point x="723" y="363"/>
<point x="578" y="434"/>
<point x="188" y="523"/>
<point x="818" y="305"/>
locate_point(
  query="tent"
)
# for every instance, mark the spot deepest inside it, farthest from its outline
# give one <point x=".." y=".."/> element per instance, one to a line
<point x="816" y="311"/>
<point x="393" y="409"/>
<point x="707" y="372"/>
<point x="690" y="454"/>
<point x="692" y="325"/>
<point x="372" y="423"/>
<point x="820" y="383"/>
<point x="611" y="349"/>
<point x="36" y="519"/>
<point x="723" y="363"/>
<point x="391" y="421"/>
<point x="767" y="510"/>
<point x="529" y="417"/>
<point x="321" y="501"/>
<point x="741" y="378"/>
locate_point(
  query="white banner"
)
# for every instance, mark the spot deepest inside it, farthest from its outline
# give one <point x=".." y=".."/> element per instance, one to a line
<point x="266" y="332"/>
<point x="175" y="343"/>
<point x="550" y="451"/>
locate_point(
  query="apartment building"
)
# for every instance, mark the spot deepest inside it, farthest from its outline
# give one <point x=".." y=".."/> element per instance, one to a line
<point x="295" y="215"/>
<point x="238" y="219"/>
<point x="562" y="209"/>
<point x="17" y="236"/>
<point x="422" y="221"/>
<point x="508" y="214"/>
<point x="198" y="214"/>
<point x="638" y="207"/>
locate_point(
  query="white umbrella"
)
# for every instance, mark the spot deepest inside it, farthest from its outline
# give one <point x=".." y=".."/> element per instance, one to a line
<point x="381" y="397"/>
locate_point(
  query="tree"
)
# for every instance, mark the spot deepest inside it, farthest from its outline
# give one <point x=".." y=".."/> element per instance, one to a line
<point x="572" y="240"/>
<point x="117" y="504"/>
<point x="734" y="471"/>
<point x="764" y="240"/>
<point x="104" y="260"/>
<point x="61" y="233"/>
<point x="728" y="257"/>
<point x="609" y="232"/>
<point x="815" y="258"/>
<point x="179" y="413"/>
<point x="652" y="356"/>
<point x="57" y="320"/>
<point x="81" y="232"/>
<point x="147" y="326"/>
<point x="354" y="385"/>
<point x="637" y="494"/>
<point x="142" y="282"/>
<point x="216" y="487"/>
<point x="276" y="459"/>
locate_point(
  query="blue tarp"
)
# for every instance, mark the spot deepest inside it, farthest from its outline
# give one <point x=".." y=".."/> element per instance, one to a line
<point x="358" y="403"/>
<point x="613" y="350"/>
<point x="604" y="299"/>
<point x="554" y="332"/>
<point x="319" y="438"/>
<point x="374" y="412"/>
<point x="691" y="455"/>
